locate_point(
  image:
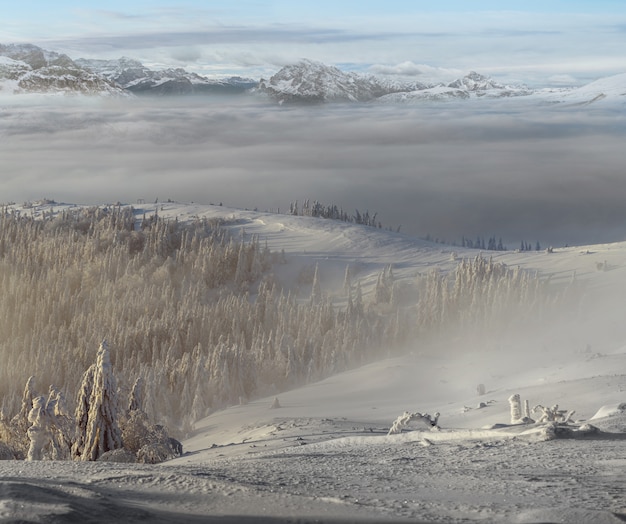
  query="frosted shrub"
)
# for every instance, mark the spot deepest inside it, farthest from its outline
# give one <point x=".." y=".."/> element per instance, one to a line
<point x="553" y="414"/>
<point x="155" y="453"/>
<point x="122" y="455"/>
<point x="6" y="453"/>
<point x="159" y="449"/>
<point x="136" y="431"/>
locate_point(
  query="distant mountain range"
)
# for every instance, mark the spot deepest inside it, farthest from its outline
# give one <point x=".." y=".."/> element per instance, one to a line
<point x="26" y="68"/>
<point x="136" y="78"/>
<point x="309" y="81"/>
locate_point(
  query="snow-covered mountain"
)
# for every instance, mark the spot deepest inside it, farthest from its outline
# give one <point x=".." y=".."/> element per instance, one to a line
<point x="26" y="68"/>
<point x="310" y="81"/>
<point x="472" y="85"/>
<point x="135" y="77"/>
<point x="611" y="89"/>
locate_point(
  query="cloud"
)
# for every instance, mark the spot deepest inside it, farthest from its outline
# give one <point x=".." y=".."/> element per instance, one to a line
<point x="411" y="69"/>
<point x="407" y="68"/>
<point x="564" y="80"/>
<point x="223" y="35"/>
<point x="550" y="175"/>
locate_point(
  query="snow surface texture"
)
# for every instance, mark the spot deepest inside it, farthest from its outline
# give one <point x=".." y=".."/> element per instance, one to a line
<point x="322" y="452"/>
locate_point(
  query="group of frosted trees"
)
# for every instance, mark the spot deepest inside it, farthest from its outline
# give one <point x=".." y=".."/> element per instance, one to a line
<point x="98" y="429"/>
<point x="316" y="209"/>
<point x="197" y="317"/>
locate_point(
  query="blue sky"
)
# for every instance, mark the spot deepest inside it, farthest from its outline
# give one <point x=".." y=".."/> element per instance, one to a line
<point x="549" y="41"/>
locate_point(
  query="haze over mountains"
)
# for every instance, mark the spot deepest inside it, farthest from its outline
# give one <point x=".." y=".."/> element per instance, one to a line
<point x="26" y="68"/>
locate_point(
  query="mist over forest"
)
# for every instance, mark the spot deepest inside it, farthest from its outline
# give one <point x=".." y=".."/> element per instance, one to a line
<point x="538" y="173"/>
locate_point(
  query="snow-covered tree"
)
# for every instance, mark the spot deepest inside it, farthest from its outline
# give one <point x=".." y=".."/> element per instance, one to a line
<point x="62" y="425"/>
<point x="135" y="401"/>
<point x="516" y="408"/>
<point x="316" y="290"/>
<point x="39" y="430"/>
<point x="99" y="431"/>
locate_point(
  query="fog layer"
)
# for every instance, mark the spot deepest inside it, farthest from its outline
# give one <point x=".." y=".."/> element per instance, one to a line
<point x="520" y="172"/>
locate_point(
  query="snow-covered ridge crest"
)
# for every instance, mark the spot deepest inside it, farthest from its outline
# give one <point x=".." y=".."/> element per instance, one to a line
<point x="137" y="78"/>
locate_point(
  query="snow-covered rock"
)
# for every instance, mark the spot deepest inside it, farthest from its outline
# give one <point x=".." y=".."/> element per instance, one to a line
<point x="437" y="93"/>
<point x="135" y="77"/>
<point x="481" y="85"/>
<point x="310" y="81"/>
<point x="26" y="68"/>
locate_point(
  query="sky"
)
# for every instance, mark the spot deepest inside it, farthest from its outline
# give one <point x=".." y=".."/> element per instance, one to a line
<point x="533" y="42"/>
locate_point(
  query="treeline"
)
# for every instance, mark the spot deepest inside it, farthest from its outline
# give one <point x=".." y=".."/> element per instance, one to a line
<point x="479" y="243"/>
<point x="491" y="245"/>
<point x="199" y="317"/>
<point x="316" y="209"/>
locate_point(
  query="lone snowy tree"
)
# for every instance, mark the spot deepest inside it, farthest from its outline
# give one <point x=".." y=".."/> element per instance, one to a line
<point x="316" y="290"/>
<point x="96" y="414"/>
<point x="39" y="431"/>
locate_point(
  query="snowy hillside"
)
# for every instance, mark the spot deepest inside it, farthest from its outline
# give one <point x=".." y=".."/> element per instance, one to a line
<point x="322" y="452"/>
<point x="611" y="89"/>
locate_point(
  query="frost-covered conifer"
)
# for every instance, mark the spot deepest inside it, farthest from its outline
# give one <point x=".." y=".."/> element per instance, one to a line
<point x="101" y="430"/>
<point x="61" y="425"/>
<point x="516" y="408"/>
<point x="135" y="401"/>
<point x="39" y="430"/>
<point x="347" y="280"/>
<point x="316" y="290"/>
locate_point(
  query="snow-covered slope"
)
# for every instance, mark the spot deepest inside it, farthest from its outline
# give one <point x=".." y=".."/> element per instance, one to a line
<point x="27" y="68"/>
<point x="135" y="77"/>
<point x="610" y="89"/>
<point x="321" y="452"/>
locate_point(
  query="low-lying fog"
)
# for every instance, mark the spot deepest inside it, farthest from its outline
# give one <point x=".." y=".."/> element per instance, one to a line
<point x="513" y="169"/>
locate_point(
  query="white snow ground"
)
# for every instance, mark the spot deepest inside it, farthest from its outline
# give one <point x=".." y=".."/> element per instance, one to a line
<point x="325" y="456"/>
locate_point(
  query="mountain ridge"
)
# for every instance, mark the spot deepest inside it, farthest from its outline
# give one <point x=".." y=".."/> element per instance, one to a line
<point x="137" y="78"/>
<point x="27" y="68"/>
